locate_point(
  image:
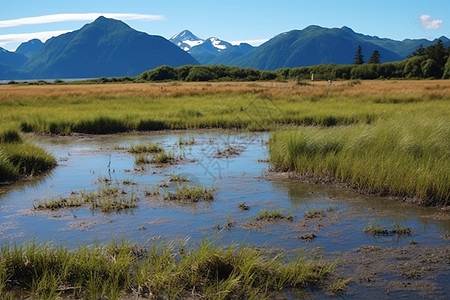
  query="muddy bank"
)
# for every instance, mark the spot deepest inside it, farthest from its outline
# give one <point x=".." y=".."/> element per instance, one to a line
<point x="275" y="175"/>
<point x="412" y="271"/>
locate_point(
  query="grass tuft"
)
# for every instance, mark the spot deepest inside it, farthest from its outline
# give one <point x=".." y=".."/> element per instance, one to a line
<point x="161" y="271"/>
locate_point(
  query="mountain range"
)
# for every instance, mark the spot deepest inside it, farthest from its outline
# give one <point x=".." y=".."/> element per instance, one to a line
<point x="110" y="48"/>
<point x="211" y="50"/>
<point x="103" y="48"/>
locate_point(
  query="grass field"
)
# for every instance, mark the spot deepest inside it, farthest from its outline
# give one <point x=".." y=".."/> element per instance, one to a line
<point x="385" y="137"/>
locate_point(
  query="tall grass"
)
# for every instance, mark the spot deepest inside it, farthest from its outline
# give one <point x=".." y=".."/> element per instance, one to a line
<point x="19" y="160"/>
<point x="162" y="271"/>
<point x="101" y="109"/>
<point x="406" y="156"/>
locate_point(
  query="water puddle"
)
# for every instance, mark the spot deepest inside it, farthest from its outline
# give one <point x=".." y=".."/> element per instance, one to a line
<point x="321" y="219"/>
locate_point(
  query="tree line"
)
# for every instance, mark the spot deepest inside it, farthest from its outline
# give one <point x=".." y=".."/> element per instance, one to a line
<point x="432" y="62"/>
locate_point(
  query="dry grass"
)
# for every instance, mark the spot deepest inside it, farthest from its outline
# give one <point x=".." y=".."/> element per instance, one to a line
<point x="435" y="89"/>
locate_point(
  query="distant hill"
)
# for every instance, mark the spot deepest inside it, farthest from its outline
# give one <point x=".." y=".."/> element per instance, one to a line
<point x="402" y="48"/>
<point x="311" y="46"/>
<point x="11" y="60"/>
<point x="104" y="48"/>
<point x="226" y="57"/>
<point x="30" y="47"/>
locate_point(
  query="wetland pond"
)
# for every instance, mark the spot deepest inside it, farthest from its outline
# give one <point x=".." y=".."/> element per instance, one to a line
<point x="408" y="257"/>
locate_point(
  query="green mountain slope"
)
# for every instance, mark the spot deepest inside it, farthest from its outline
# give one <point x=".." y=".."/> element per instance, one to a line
<point x="104" y="48"/>
<point x="310" y="46"/>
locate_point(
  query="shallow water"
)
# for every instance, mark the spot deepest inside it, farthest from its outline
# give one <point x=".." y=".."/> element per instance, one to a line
<point x="242" y="178"/>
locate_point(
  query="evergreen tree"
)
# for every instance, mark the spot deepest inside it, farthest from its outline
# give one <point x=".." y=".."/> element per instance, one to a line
<point x="359" y="58"/>
<point x="438" y="53"/>
<point x="375" y="57"/>
<point x="419" y="52"/>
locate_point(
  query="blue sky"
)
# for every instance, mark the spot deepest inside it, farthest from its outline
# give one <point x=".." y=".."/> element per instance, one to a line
<point x="232" y="20"/>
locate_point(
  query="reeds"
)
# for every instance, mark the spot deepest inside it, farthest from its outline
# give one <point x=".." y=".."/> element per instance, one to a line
<point x="160" y="271"/>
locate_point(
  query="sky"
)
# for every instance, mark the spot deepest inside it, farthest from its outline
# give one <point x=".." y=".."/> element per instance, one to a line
<point x="252" y="21"/>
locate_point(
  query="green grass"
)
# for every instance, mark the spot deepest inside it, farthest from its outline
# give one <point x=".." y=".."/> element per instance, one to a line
<point x="314" y="213"/>
<point x="145" y="148"/>
<point x="163" y="157"/>
<point x="162" y="271"/>
<point x="20" y="159"/>
<point x="96" y="115"/>
<point x="374" y="228"/>
<point x="186" y="193"/>
<point x="178" y="178"/>
<point x="107" y="198"/>
<point x="407" y="155"/>
<point x="273" y="215"/>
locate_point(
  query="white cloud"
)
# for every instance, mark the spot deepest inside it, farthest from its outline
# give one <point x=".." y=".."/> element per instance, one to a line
<point x="428" y="23"/>
<point x="23" y="37"/>
<point x="56" y="18"/>
<point x="251" y="42"/>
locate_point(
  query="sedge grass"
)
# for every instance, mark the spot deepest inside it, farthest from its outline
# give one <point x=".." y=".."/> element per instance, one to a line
<point x="20" y="159"/>
<point x="188" y="193"/>
<point x="274" y="215"/>
<point x="107" y="199"/>
<point x="121" y="269"/>
<point x="145" y="148"/>
<point x="406" y="157"/>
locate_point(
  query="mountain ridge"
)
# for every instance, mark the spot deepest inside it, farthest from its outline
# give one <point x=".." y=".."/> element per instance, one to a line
<point x="314" y="45"/>
<point x="111" y="48"/>
<point x="103" y="48"/>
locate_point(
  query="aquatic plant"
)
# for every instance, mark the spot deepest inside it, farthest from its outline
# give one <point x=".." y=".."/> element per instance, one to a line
<point x="314" y="213"/>
<point x="145" y="148"/>
<point x="178" y="178"/>
<point x="190" y="193"/>
<point x="163" y="157"/>
<point x="107" y="198"/>
<point x="274" y="215"/>
<point x="374" y="228"/>
<point x="243" y="206"/>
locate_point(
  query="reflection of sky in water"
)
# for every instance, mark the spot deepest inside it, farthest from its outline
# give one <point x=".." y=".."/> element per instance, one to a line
<point x="83" y="161"/>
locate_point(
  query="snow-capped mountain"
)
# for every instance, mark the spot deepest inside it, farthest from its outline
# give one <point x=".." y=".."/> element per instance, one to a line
<point x="186" y="40"/>
<point x="202" y="50"/>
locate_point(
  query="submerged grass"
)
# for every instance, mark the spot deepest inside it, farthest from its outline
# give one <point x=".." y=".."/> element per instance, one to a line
<point x="162" y="271"/>
<point x="188" y="193"/>
<point x="145" y="148"/>
<point x="107" y="198"/>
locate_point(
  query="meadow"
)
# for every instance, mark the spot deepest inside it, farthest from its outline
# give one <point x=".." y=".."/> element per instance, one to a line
<point x="383" y="137"/>
<point x="390" y="138"/>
